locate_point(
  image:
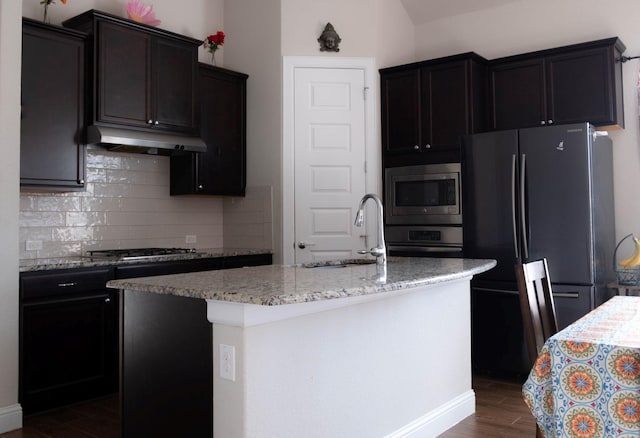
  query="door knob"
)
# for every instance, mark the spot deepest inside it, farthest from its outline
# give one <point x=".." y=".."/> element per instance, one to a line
<point x="303" y="245"/>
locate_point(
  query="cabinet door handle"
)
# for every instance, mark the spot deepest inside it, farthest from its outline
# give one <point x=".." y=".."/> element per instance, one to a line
<point x="550" y="122"/>
<point x="427" y="146"/>
<point x="107" y="300"/>
<point x="67" y="284"/>
<point x="156" y="122"/>
<point x="200" y="187"/>
<point x="566" y="295"/>
<point x="542" y="122"/>
<point x="416" y="147"/>
<point x="150" y="122"/>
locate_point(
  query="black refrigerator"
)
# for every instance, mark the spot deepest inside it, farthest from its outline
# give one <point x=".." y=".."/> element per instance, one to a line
<point x="528" y="194"/>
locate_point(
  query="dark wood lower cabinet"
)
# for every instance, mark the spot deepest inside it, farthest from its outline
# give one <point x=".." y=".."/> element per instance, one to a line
<point x="70" y="326"/>
<point x="166" y="366"/>
<point x="69" y="338"/>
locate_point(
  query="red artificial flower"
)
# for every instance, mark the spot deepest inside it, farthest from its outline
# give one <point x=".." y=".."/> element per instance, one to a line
<point x="212" y="42"/>
<point x="218" y="38"/>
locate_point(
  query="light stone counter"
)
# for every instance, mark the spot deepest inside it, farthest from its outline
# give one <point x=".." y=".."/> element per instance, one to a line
<point x="278" y="284"/>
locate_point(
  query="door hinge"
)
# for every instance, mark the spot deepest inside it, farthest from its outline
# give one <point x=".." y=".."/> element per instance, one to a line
<point x="364" y="92"/>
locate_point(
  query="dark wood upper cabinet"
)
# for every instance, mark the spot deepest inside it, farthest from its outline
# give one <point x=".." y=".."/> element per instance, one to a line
<point x="570" y="84"/>
<point x="52" y="153"/>
<point x="428" y="106"/>
<point x="401" y="112"/>
<point x="446" y="105"/>
<point x="123" y="73"/>
<point x="144" y="77"/>
<point x="518" y="94"/>
<point x="220" y="170"/>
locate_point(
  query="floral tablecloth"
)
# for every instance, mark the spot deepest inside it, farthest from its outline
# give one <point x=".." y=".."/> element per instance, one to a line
<point x="586" y="380"/>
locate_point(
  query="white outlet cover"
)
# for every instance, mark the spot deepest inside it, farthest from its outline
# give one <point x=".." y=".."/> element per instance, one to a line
<point x="33" y="245"/>
<point x="228" y="362"/>
<point x="191" y="238"/>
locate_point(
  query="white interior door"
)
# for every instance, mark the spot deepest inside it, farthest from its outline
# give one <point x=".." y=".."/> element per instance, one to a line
<point x="329" y="162"/>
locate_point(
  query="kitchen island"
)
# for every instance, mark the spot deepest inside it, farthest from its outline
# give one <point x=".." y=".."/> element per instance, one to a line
<point x="337" y="349"/>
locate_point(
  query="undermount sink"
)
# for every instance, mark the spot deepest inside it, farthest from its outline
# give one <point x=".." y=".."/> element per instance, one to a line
<point x="338" y="263"/>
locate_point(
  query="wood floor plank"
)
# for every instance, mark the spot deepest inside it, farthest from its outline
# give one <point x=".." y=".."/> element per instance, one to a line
<point x="500" y="413"/>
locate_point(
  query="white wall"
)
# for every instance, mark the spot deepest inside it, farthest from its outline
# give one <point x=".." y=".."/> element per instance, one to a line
<point x="10" y="33"/>
<point x="529" y="25"/>
<point x="267" y="30"/>
<point x="253" y="29"/>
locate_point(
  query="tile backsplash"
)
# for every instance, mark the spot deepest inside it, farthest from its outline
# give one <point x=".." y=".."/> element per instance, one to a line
<point x="126" y="204"/>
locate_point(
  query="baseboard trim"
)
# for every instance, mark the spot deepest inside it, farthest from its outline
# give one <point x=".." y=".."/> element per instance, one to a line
<point x="10" y="418"/>
<point x="437" y="421"/>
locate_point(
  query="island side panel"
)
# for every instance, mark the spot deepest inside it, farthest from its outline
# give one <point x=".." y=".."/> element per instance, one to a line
<point x="372" y="369"/>
<point x="166" y="366"/>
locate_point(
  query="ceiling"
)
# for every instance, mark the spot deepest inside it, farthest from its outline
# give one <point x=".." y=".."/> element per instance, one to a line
<point x="423" y="11"/>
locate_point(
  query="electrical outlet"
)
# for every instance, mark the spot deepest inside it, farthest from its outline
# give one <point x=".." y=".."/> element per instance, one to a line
<point x="228" y="362"/>
<point x="191" y="238"/>
<point x="34" y="245"/>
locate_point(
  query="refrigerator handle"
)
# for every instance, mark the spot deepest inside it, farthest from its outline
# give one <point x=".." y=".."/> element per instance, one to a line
<point x="513" y="205"/>
<point x="523" y="212"/>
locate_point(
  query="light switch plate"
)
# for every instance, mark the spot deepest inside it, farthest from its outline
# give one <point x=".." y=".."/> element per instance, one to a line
<point x="191" y="238"/>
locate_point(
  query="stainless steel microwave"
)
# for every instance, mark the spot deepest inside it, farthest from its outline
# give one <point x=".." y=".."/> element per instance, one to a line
<point x="424" y="194"/>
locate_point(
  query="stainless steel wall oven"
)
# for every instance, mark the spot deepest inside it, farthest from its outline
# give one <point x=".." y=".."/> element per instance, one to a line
<point x="424" y="210"/>
<point x="424" y="194"/>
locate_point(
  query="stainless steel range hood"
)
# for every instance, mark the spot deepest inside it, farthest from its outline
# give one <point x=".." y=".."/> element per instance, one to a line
<point x="125" y="140"/>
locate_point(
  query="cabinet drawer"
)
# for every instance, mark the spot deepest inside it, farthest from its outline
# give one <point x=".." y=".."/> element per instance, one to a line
<point x="46" y="284"/>
<point x="571" y="303"/>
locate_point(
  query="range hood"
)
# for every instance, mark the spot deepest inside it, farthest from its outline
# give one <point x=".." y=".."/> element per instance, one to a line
<point x="126" y="140"/>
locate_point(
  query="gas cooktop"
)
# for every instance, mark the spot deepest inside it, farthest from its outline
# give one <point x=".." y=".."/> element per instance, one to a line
<point x="138" y="253"/>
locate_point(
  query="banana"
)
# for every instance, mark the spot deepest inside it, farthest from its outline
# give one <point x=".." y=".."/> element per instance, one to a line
<point x="634" y="260"/>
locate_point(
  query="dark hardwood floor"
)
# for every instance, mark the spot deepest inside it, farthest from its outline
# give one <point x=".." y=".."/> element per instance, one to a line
<point x="93" y="419"/>
<point x="500" y="412"/>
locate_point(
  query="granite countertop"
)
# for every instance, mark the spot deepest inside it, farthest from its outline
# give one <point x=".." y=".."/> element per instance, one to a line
<point x="274" y="285"/>
<point x="44" y="264"/>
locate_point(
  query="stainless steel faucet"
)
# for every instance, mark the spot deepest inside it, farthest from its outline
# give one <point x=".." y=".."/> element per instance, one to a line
<point x="379" y="251"/>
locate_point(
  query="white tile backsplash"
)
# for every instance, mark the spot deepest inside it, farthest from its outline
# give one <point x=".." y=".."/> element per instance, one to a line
<point x="126" y="204"/>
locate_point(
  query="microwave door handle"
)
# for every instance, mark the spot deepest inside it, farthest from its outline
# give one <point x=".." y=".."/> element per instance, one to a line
<point x="523" y="212"/>
<point x="513" y="206"/>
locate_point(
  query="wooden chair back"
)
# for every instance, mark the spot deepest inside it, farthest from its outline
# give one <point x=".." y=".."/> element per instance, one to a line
<point x="536" y="303"/>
